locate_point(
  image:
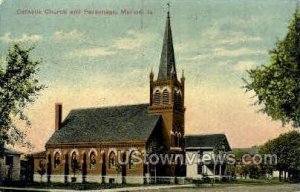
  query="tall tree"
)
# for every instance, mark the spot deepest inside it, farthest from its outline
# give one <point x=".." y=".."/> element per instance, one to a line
<point x="287" y="149"/>
<point x="277" y="84"/>
<point x="19" y="86"/>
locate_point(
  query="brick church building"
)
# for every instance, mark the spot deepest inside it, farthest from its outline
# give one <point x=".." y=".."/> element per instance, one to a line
<point x="89" y="143"/>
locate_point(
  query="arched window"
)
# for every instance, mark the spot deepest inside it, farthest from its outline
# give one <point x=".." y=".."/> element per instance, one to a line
<point x="175" y="98"/>
<point x="74" y="162"/>
<point x="157" y="97"/>
<point x="179" y="140"/>
<point x="179" y="98"/>
<point x="176" y="139"/>
<point x="133" y="159"/>
<point x="165" y="97"/>
<point x="93" y="160"/>
<point x="112" y="160"/>
<point x="56" y="159"/>
<point x="172" y="138"/>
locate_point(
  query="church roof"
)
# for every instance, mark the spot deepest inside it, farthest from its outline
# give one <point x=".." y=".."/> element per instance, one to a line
<point x="206" y="141"/>
<point x="117" y="124"/>
<point x="39" y="154"/>
<point x="167" y="67"/>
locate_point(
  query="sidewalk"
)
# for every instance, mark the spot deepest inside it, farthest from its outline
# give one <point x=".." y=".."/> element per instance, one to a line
<point x="154" y="187"/>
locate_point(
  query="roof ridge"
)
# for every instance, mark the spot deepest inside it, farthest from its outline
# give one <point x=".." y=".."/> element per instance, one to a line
<point x="108" y="107"/>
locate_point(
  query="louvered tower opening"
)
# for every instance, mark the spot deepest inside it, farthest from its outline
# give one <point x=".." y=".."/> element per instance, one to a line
<point x="157" y="97"/>
<point x="165" y="97"/>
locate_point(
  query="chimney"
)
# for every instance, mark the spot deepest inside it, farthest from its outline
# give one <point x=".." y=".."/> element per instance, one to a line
<point x="58" y="116"/>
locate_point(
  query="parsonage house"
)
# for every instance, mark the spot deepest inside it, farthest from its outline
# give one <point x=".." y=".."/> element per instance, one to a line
<point x="202" y="148"/>
<point x="10" y="165"/>
<point x="89" y="143"/>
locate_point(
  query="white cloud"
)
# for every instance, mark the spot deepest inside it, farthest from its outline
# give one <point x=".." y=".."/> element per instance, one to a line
<point x="197" y="58"/>
<point x="219" y="37"/>
<point x="181" y="46"/>
<point x="245" y="22"/>
<point x="71" y="35"/>
<point x="224" y="53"/>
<point x="133" y="40"/>
<point x="92" y="52"/>
<point x="238" y="37"/>
<point x="24" y="38"/>
<point x="221" y="52"/>
<point x="244" y="65"/>
<point x="1" y="1"/>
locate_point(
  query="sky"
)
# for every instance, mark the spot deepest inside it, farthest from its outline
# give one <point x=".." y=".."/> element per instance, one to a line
<point x="95" y="60"/>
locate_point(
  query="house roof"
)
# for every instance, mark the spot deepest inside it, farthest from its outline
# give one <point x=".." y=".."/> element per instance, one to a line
<point x="206" y="141"/>
<point x="8" y="151"/>
<point x="118" y="123"/>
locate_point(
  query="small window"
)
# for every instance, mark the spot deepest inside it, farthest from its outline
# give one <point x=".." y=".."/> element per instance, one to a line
<point x="9" y="160"/>
<point x="157" y="97"/>
<point x="93" y="160"/>
<point x="165" y="97"/>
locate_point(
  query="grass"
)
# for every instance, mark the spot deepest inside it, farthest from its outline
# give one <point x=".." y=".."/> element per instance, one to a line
<point x="273" y="181"/>
<point x="259" y="181"/>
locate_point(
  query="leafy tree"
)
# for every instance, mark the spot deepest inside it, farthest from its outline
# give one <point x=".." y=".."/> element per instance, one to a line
<point x="19" y="86"/>
<point x="287" y="149"/>
<point x="277" y="84"/>
<point x="249" y="169"/>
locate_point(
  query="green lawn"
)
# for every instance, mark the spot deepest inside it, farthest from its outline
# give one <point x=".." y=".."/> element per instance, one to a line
<point x="259" y="181"/>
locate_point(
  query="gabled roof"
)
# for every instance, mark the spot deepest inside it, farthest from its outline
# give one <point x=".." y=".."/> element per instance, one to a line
<point x="167" y="67"/>
<point x="206" y="141"/>
<point x="9" y="151"/>
<point x="118" y="123"/>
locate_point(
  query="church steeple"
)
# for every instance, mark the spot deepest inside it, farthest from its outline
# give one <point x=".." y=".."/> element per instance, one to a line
<point x="167" y="94"/>
<point x="167" y="67"/>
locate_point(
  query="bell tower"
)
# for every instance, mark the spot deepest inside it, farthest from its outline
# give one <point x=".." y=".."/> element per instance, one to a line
<point x="167" y="94"/>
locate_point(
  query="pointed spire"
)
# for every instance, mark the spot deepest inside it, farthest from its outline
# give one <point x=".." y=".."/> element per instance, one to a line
<point x="151" y="75"/>
<point x="182" y="76"/>
<point x="167" y="68"/>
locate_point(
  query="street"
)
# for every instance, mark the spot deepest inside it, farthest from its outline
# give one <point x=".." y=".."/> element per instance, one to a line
<point x="239" y="188"/>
